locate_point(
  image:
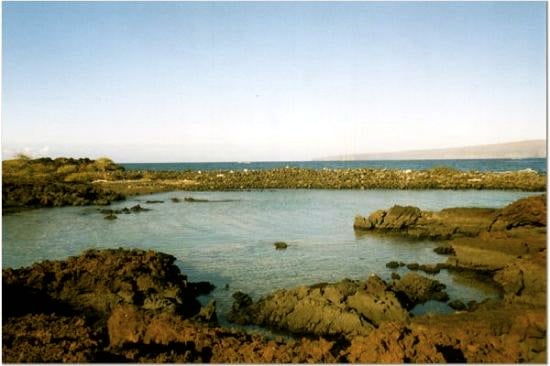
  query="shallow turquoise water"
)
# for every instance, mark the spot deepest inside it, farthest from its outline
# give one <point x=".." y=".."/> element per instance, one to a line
<point x="232" y="242"/>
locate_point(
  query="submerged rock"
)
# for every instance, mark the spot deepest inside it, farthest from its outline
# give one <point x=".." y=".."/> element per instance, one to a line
<point x="138" y="208"/>
<point x="191" y="199"/>
<point x="110" y="217"/>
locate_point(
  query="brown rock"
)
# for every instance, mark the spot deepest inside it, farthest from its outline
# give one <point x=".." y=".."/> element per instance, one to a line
<point x="419" y="289"/>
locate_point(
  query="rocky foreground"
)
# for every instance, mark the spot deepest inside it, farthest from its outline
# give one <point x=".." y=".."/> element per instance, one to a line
<point x="133" y="305"/>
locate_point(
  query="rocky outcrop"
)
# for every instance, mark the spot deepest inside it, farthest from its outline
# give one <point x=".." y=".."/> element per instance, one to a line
<point x="344" y="308"/>
<point x="99" y="280"/>
<point x="529" y="211"/>
<point x="419" y="289"/>
<point x="489" y="335"/>
<point x="455" y="222"/>
<point x="413" y="222"/>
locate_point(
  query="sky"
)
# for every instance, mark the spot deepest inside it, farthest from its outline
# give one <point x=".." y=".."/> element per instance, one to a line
<point x="242" y="81"/>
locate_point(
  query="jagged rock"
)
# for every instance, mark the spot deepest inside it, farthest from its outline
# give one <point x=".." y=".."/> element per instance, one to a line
<point x="344" y="308"/>
<point x="456" y="222"/>
<point x="530" y="211"/>
<point x="397" y="218"/>
<point x="419" y="289"/>
<point x="98" y="280"/>
<point x="207" y="314"/>
<point x="45" y="338"/>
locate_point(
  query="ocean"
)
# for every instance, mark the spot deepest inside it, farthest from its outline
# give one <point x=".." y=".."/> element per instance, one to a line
<point x="537" y="164"/>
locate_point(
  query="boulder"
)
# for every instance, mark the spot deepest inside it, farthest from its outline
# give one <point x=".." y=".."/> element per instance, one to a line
<point x="530" y="211"/>
<point x="344" y="308"/>
<point x="397" y="218"/>
<point x="419" y="289"/>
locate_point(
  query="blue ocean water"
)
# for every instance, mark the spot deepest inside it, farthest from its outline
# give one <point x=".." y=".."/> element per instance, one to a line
<point x="229" y="240"/>
<point x="538" y="164"/>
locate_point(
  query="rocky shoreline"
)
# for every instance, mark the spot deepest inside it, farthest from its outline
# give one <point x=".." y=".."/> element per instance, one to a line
<point x="57" y="182"/>
<point x="296" y="178"/>
<point x="136" y="306"/>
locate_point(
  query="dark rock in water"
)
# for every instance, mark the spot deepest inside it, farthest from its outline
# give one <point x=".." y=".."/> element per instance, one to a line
<point x="106" y="211"/>
<point x="175" y="199"/>
<point x="413" y="266"/>
<point x="126" y="211"/>
<point x="110" y="217"/>
<point x="154" y="201"/>
<point x="392" y="264"/>
<point x="429" y="268"/>
<point x="419" y="289"/>
<point x="226" y="286"/>
<point x="191" y="199"/>
<point x="457" y="305"/>
<point x="279" y="245"/>
<point x="395" y="276"/>
<point x="402" y="264"/>
<point x="138" y="208"/>
<point x="445" y="250"/>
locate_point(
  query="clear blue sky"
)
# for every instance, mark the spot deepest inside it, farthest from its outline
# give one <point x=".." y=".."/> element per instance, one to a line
<point x="268" y="81"/>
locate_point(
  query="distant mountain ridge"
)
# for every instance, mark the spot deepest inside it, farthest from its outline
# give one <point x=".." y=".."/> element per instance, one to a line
<point x="510" y="150"/>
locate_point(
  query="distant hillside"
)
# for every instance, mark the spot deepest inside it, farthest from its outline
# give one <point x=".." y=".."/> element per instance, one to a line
<point x="511" y="150"/>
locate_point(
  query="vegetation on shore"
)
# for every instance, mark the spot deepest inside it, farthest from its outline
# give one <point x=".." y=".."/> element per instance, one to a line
<point x="49" y="182"/>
